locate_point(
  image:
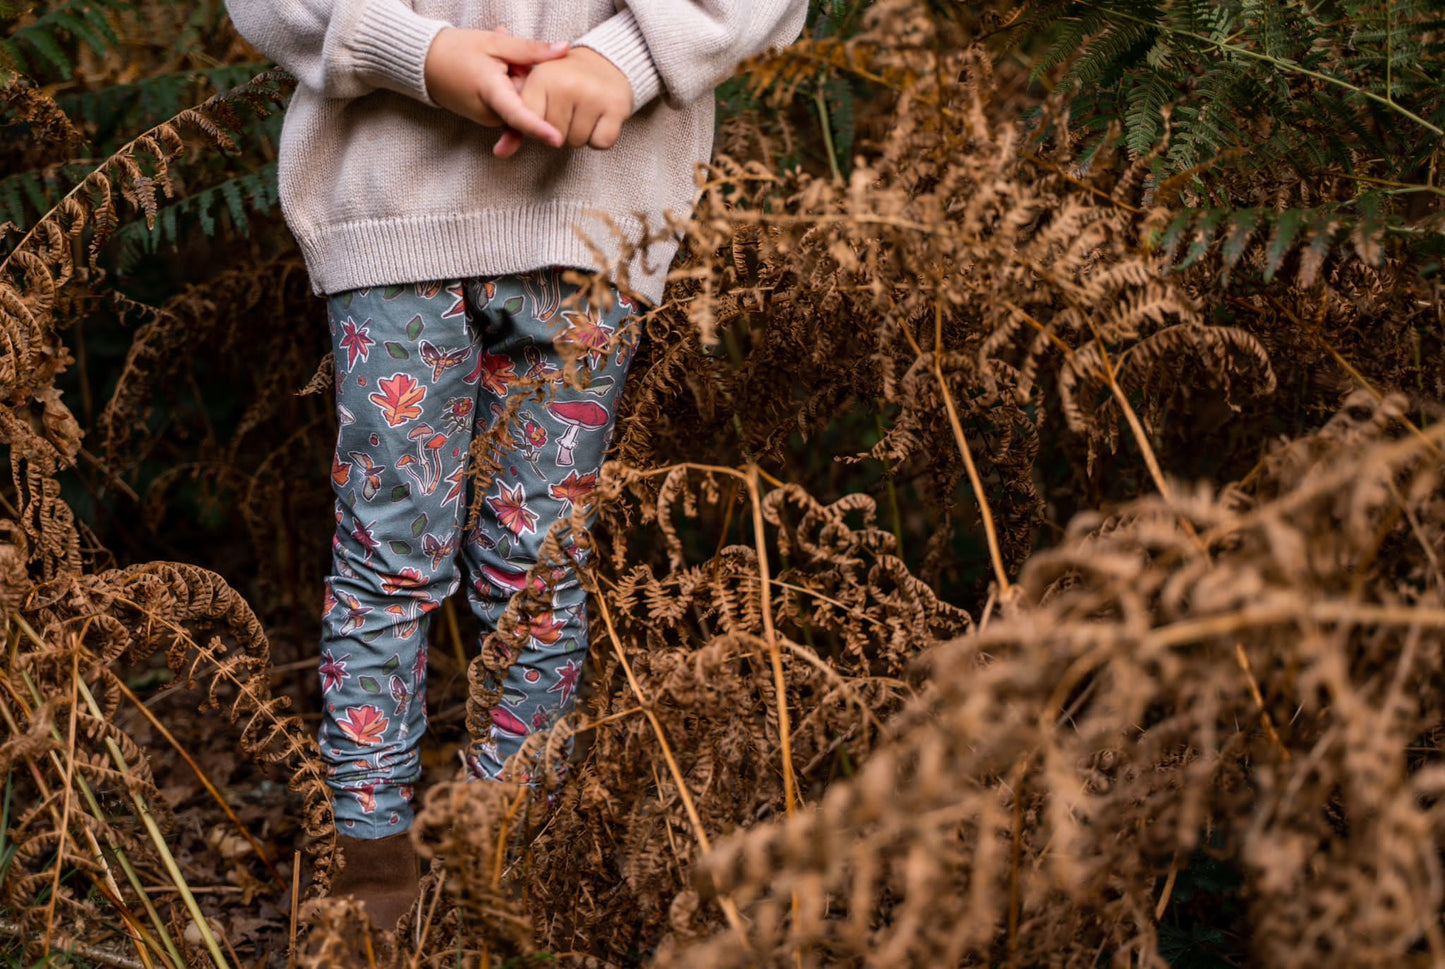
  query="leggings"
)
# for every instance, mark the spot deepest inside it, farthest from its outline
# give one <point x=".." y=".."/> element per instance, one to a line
<point x="420" y="368"/>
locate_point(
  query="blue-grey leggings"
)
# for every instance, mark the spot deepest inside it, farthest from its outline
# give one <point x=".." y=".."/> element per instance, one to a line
<point x="420" y="369"/>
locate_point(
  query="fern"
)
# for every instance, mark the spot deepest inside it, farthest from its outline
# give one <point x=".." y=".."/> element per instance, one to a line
<point x="228" y="205"/>
<point x="1263" y="99"/>
<point x="84" y="23"/>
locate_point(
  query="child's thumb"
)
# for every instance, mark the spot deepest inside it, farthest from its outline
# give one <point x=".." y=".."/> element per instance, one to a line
<point x="518" y="50"/>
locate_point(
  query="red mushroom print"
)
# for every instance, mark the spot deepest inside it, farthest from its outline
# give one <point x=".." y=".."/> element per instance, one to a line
<point x="507" y="579"/>
<point x="506" y="721"/>
<point x="577" y="414"/>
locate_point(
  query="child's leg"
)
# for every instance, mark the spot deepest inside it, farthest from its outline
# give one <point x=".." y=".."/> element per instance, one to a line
<point x="556" y="459"/>
<point x="405" y="414"/>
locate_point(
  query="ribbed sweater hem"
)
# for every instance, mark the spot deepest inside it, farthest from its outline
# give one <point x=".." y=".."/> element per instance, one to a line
<point x="492" y="242"/>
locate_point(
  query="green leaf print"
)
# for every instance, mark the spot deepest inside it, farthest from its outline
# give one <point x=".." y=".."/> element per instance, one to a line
<point x="370" y="684"/>
<point x="397" y="351"/>
<point x="401" y="492"/>
<point x="391" y="665"/>
<point x="392" y="292"/>
<point x="513" y="306"/>
<point x="504" y="547"/>
<point x="414" y="328"/>
<point x="418" y="526"/>
<point x="372" y="636"/>
<point x="400" y="548"/>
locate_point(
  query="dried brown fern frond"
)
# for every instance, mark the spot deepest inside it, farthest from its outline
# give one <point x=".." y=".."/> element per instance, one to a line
<point x="1148" y="693"/>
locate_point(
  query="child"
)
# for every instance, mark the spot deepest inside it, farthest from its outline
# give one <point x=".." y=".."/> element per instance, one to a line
<point x="438" y="179"/>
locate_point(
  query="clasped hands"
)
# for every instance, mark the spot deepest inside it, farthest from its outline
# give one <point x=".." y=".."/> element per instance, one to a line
<point x="554" y="93"/>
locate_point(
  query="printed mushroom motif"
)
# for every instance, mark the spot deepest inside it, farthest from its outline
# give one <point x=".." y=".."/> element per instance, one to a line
<point x="507" y="579"/>
<point x="577" y="414"/>
<point x="506" y="721"/>
<point x="429" y="445"/>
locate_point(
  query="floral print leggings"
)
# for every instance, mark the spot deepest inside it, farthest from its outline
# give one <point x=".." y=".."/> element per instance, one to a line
<point x="420" y="368"/>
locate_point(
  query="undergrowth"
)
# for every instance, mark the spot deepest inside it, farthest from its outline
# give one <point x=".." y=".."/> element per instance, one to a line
<point x="980" y="581"/>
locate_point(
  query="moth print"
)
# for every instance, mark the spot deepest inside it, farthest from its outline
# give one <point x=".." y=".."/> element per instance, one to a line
<point x="437" y="549"/>
<point x="441" y="361"/>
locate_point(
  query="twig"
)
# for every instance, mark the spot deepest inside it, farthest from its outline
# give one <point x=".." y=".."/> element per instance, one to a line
<point x="1243" y="659"/>
<point x="775" y="653"/>
<point x="153" y="829"/>
<point x="725" y="901"/>
<point x="200" y="776"/>
<point x="95" y="953"/>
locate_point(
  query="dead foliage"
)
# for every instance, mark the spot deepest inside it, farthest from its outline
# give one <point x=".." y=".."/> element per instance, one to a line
<point x="1088" y="570"/>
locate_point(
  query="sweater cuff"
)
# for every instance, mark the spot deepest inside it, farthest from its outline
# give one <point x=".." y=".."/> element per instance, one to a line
<point x="390" y="45"/>
<point x="620" y="40"/>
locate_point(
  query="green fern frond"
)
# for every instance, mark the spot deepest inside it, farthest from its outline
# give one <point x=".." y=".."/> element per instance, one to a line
<point x="236" y="199"/>
<point x="52" y="38"/>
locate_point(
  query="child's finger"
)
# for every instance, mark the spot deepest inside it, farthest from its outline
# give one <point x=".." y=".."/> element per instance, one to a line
<point x="519" y="50"/>
<point x="507" y="103"/>
<point x="606" y="133"/>
<point x="508" y="144"/>
<point x="579" y="132"/>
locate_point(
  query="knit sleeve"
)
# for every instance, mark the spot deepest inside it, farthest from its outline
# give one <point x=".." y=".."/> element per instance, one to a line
<point x="342" y="48"/>
<point x="685" y="48"/>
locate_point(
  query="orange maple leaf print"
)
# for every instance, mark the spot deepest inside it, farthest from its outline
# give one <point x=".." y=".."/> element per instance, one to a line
<point x="400" y="399"/>
<point x="365" y="725"/>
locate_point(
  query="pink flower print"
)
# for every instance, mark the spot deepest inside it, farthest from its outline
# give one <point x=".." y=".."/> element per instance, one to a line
<point x="512" y="512"/>
<point x="365" y="725"/>
<point x="568" y="675"/>
<point x="418" y="666"/>
<point x="366" y="797"/>
<point x="356" y="341"/>
<point x="539" y="719"/>
<point x="495" y="372"/>
<point x="534" y="434"/>
<point x="458" y="413"/>
<point x="333" y="671"/>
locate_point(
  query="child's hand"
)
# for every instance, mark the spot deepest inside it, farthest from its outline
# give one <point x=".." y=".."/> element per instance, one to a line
<point x="582" y="95"/>
<point x="468" y="73"/>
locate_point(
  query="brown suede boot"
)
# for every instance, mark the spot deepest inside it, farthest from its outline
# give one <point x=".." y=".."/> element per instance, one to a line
<point x="382" y="874"/>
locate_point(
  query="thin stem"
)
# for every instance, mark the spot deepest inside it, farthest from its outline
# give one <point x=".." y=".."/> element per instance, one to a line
<point x="1280" y="62"/>
<point x="153" y="829"/>
<point x="775" y="653"/>
<point x="974" y="479"/>
<point x="725" y="902"/>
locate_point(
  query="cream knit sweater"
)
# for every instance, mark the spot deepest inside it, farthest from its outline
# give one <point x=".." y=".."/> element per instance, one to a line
<point x="381" y="186"/>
